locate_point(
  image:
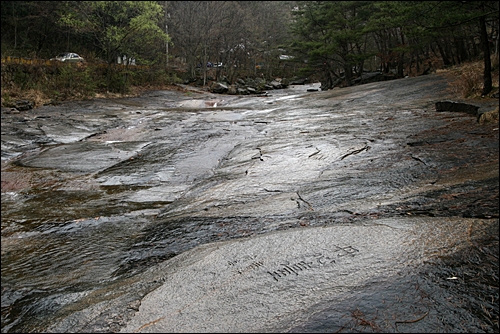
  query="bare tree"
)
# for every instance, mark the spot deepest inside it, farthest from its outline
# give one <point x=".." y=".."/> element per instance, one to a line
<point x="233" y="33"/>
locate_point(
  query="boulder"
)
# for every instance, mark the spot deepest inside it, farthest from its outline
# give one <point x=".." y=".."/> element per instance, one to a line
<point x="252" y="90"/>
<point x="488" y="117"/>
<point x="298" y="81"/>
<point x="219" y="88"/>
<point x="243" y="91"/>
<point x="232" y="90"/>
<point x="20" y="105"/>
<point x="275" y="84"/>
<point x="457" y="107"/>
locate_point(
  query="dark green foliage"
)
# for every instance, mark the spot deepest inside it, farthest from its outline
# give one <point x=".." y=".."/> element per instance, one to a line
<point x="340" y="38"/>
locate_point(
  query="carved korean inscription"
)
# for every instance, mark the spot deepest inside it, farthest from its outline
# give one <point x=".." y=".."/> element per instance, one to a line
<point x="293" y="267"/>
<point x="311" y="261"/>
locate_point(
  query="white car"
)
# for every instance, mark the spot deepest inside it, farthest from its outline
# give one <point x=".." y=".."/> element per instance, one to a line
<point x="69" y="57"/>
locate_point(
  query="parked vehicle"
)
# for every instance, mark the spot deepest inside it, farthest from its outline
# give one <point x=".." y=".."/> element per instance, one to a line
<point x="69" y="57"/>
<point x="210" y="64"/>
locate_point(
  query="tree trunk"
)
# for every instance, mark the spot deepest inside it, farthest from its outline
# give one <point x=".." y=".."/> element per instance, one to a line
<point x="487" y="61"/>
<point x="444" y="56"/>
<point x="400" y="67"/>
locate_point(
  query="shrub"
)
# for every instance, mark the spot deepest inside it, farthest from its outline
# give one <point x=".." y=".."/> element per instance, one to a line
<point x="55" y="81"/>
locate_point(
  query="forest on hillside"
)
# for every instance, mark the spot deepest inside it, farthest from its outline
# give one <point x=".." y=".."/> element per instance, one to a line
<point x="333" y="41"/>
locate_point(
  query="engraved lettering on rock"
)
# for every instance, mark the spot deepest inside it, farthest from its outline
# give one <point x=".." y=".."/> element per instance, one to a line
<point x="289" y="269"/>
<point x="252" y="266"/>
<point x="312" y="261"/>
<point x="349" y="250"/>
<point x="236" y="262"/>
<point x="240" y="265"/>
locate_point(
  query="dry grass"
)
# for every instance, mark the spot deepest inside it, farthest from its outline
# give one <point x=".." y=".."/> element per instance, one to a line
<point x="13" y="94"/>
<point x="42" y="84"/>
<point x="466" y="80"/>
<point x="39" y="98"/>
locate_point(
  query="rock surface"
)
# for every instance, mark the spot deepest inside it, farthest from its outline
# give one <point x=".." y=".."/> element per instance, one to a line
<point x="352" y="210"/>
<point x="271" y="283"/>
